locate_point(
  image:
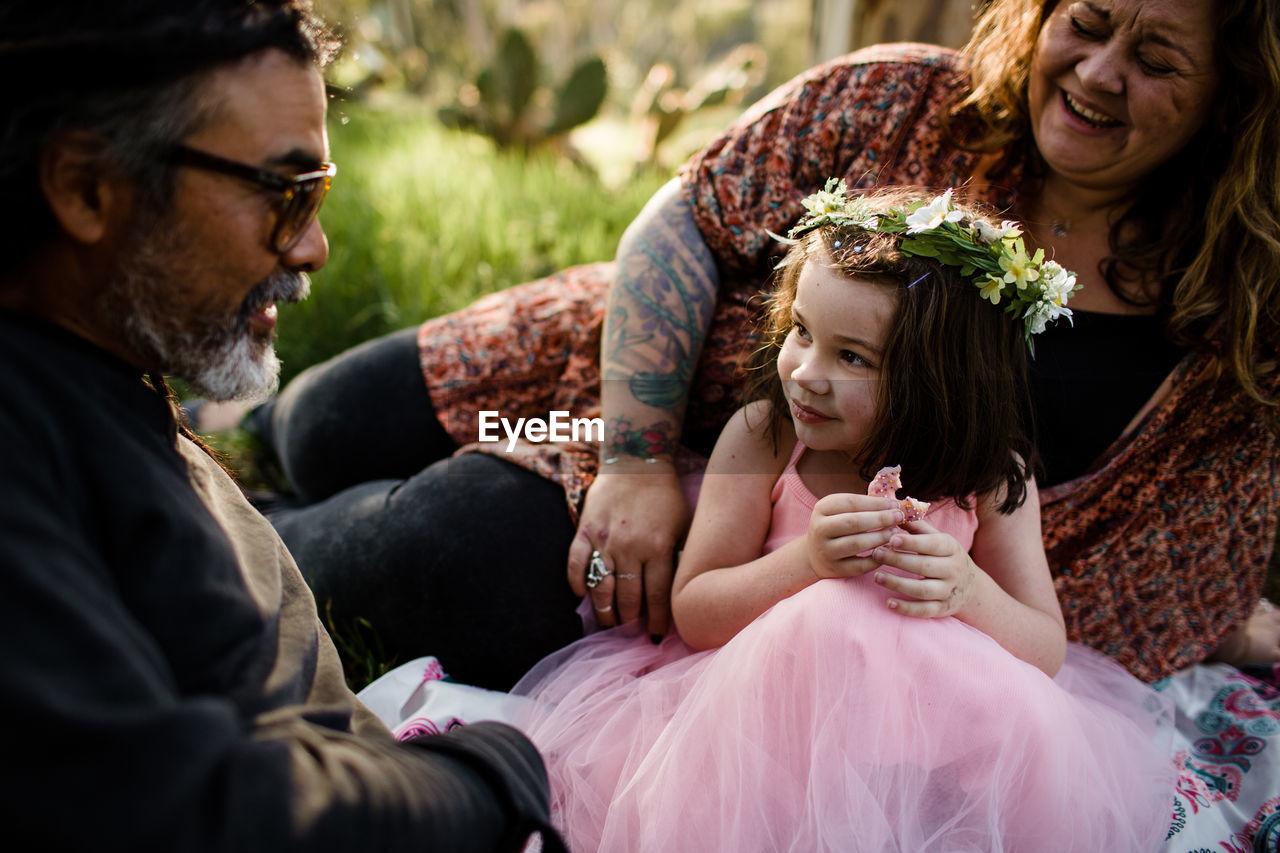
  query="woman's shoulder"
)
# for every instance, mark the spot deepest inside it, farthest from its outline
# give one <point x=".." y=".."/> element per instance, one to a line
<point x="872" y="116"/>
<point x="887" y="73"/>
<point x="917" y="53"/>
<point x="905" y="61"/>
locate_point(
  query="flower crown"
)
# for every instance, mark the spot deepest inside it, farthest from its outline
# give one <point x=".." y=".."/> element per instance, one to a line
<point x="995" y="259"/>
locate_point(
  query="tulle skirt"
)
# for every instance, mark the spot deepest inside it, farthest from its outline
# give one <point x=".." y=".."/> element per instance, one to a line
<point x="833" y="723"/>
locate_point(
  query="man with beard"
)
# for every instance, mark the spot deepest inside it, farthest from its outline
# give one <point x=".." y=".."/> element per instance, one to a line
<point x="165" y="682"/>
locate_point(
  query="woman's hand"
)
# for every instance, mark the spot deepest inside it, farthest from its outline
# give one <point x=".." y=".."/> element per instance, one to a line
<point x="659" y="308"/>
<point x="635" y="515"/>
<point x="948" y="576"/>
<point x="843" y="529"/>
<point x="1256" y="642"/>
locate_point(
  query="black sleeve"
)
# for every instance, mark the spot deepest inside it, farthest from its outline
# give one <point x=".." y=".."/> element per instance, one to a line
<point x="512" y="768"/>
<point x="100" y="750"/>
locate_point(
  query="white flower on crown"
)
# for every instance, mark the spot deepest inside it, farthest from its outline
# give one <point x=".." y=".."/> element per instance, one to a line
<point x="827" y="201"/>
<point x="986" y="233"/>
<point x="933" y="214"/>
<point x="1042" y="312"/>
<point x="990" y="234"/>
<point x="1058" y="283"/>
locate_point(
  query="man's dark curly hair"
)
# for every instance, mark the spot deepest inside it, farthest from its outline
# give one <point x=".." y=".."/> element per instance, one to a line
<point x="126" y="71"/>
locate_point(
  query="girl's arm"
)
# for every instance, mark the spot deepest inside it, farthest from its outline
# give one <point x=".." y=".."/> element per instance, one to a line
<point x="723" y="582"/>
<point x="1002" y="586"/>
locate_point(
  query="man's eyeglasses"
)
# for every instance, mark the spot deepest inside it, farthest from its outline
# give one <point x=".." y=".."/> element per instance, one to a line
<point x="301" y="194"/>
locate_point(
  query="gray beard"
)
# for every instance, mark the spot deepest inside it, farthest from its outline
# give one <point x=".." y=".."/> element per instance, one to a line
<point x="220" y="357"/>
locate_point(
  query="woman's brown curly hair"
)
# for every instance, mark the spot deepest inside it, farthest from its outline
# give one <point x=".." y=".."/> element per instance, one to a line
<point x="1206" y="224"/>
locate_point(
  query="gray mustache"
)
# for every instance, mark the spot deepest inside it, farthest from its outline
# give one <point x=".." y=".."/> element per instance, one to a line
<point x="281" y="286"/>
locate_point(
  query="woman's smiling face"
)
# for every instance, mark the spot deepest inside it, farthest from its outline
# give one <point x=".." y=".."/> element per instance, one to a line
<point x="1118" y="87"/>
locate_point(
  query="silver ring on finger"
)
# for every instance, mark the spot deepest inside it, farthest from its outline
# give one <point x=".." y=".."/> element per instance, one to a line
<point x="605" y="609"/>
<point x="627" y="576"/>
<point x="596" y="570"/>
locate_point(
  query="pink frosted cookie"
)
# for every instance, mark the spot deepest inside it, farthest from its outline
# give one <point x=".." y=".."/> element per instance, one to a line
<point x="912" y="509"/>
<point x="886" y="483"/>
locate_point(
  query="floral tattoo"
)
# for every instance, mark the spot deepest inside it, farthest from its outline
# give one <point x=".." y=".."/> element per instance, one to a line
<point x="655" y="441"/>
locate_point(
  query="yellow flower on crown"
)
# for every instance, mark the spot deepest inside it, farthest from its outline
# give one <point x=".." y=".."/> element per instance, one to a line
<point x="1018" y="268"/>
<point x="991" y="290"/>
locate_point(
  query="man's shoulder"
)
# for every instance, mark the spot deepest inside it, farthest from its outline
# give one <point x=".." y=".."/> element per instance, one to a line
<point x="44" y="359"/>
<point x="75" y="416"/>
<point x="37" y="385"/>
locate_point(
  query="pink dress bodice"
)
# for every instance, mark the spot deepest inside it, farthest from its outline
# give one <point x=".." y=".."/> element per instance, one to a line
<point x="793" y="503"/>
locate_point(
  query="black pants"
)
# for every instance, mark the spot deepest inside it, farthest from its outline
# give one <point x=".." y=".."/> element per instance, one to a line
<point x="462" y="558"/>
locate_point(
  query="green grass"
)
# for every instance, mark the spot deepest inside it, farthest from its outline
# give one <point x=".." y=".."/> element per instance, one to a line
<point x="422" y="220"/>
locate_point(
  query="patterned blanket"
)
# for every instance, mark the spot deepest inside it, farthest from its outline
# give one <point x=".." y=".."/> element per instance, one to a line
<point x="1227" y="754"/>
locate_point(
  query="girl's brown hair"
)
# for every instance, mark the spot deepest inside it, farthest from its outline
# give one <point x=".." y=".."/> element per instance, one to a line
<point x="1206" y="224"/>
<point x="950" y="407"/>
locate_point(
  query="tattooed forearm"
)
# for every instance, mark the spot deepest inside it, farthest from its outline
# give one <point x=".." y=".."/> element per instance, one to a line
<point x="661" y="304"/>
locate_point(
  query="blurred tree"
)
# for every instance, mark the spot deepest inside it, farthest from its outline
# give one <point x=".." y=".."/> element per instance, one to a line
<point x="435" y="45"/>
<point x="444" y="50"/>
<point x="660" y="106"/>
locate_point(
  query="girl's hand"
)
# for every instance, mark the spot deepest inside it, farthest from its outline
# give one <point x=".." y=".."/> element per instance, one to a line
<point x="843" y="529"/>
<point x="1256" y="642"/>
<point x="948" y="575"/>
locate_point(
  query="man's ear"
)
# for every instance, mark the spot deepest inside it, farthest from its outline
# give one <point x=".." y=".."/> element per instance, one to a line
<point x="80" y="190"/>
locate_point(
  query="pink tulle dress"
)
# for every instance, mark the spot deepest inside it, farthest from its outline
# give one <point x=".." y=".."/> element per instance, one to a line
<point x="834" y="723"/>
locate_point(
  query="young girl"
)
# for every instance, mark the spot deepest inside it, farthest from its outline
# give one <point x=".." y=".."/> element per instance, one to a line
<point x="846" y="678"/>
